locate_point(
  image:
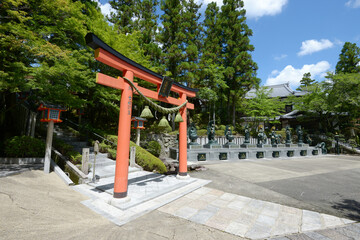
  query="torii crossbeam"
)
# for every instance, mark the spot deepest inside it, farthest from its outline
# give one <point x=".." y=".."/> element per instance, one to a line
<point x="131" y="69"/>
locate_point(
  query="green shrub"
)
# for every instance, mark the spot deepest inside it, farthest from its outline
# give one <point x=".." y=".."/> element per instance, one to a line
<point x="103" y="147"/>
<point x="154" y="148"/>
<point x="174" y="132"/>
<point x="148" y="161"/>
<point x="145" y="159"/>
<point x="202" y="132"/>
<point x="62" y="146"/>
<point x="219" y="133"/>
<point x="282" y="133"/>
<point x="112" y="138"/>
<point x="221" y="127"/>
<point x="24" y="146"/>
<point x="74" y="157"/>
<point x="111" y="153"/>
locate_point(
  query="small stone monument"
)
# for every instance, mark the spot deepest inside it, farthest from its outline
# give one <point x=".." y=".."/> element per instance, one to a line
<point x="299" y="133"/>
<point x="96" y="151"/>
<point x="211" y="136"/>
<point x="85" y="161"/>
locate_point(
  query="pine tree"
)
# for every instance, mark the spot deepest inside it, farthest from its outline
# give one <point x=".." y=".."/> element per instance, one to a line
<point x="211" y="78"/>
<point x="172" y="37"/>
<point x="349" y="59"/>
<point x="147" y="25"/>
<point x="125" y="15"/>
<point x="192" y="42"/>
<point x="240" y="69"/>
<point x="306" y="81"/>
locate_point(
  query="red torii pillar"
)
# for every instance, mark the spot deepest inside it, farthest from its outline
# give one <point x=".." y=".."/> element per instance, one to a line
<point x="131" y="69"/>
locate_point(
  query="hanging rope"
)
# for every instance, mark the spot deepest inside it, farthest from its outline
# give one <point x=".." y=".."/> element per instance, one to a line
<point x="154" y="105"/>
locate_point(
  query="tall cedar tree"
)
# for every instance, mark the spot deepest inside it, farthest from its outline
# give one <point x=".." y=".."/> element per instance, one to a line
<point x="349" y="59"/>
<point x="125" y="15"/>
<point x="192" y="42"/>
<point x="172" y="37"/>
<point x="240" y="69"/>
<point x="211" y="77"/>
<point x="147" y="25"/>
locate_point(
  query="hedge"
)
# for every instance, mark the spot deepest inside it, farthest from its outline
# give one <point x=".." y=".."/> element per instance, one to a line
<point x="143" y="158"/>
<point x="24" y="146"/>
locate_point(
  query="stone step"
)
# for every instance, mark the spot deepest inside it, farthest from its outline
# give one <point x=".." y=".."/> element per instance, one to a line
<point x="79" y="144"/>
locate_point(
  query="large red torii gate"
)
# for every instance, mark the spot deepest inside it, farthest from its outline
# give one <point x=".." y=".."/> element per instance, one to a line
<point x="131" y="69"/>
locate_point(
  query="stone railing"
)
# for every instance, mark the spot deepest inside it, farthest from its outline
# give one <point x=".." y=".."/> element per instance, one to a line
<point x="222" y="140"/>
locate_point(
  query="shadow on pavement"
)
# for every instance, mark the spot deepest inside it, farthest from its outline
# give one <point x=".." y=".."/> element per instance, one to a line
<point x="350" y="208"/>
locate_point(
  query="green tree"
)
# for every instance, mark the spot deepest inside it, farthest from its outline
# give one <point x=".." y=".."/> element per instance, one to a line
<point x="264" y="108"/>
<point x="148" y="27"/>
<point x="172" y="36"/>
<point x="306" y="81"/>
<point x="240" y="69"/>
<point x="192" y="43"/>
<point x="315" y="104"/>
<point x="125" y="15"/>
<point x="43" y="50"/>
<point x="344" y="95"/>
<point x="349" y="59"/>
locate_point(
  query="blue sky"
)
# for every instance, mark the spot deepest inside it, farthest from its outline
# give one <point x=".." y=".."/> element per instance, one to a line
<point x="292" y="37"/>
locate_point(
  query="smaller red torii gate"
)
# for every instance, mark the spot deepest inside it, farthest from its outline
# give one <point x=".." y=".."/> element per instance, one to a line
<point x="131" y="69"/>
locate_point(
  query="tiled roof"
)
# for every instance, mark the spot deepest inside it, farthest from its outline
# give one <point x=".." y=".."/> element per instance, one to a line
<point x="279" y="90"/>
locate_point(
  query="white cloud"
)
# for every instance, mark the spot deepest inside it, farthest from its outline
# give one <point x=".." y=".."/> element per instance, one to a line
<point x="293" y="75"/>
<point x="259" y="8"/>
<point x="311" y="46"/>
<point x="353" y="3"/>
<point x="281" y="57"/>
<point x="255" y="8"/>
<point x="206" y="2"/>
<point x="106" y="8"/>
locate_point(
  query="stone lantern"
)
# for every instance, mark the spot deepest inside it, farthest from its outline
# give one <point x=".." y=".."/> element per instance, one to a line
<point x="51" y="114"/>
<point x="138" y="124"/>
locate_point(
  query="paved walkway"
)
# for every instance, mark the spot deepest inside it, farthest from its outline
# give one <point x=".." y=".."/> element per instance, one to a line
<point x="212" y="212"/>
<point x="188" y="199"/>
<point x="246" y="217"/>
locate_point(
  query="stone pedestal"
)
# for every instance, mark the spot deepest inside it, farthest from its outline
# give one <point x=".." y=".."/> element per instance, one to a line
<point x="230" y="145"/>
<point x="212" y="145"/>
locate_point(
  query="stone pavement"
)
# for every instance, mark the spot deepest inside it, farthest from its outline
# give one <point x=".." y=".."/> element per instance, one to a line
<point x="33" y="201"/>
<point x="246" y="217"/>
<point x="146" y="192"/>
<point x="189" y="199"/>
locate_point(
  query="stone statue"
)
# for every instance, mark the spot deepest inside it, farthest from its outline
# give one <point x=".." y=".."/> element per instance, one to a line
<point x="247" y="134"/>
<point x="322" y="146"/>
<point x="288" y="135"/>
<point x="192" y="132"/>
<point x="299" y="133"/>
<point x="278" y="139"/>
<point x="261" y="136"/>
<point x="273" y="136"/>
<point x="211" y="131"/>
<point x="308" y="139"/>
<point x="228" y="134"/>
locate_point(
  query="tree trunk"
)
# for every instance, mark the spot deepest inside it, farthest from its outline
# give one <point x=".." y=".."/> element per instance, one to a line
<point x="234" y="111"/>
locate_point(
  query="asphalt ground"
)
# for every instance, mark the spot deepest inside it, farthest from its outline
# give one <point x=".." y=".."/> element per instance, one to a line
<point x="326" y="184"/>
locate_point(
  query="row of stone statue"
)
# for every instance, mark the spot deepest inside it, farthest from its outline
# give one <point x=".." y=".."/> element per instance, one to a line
<point x="261" y="137"/>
